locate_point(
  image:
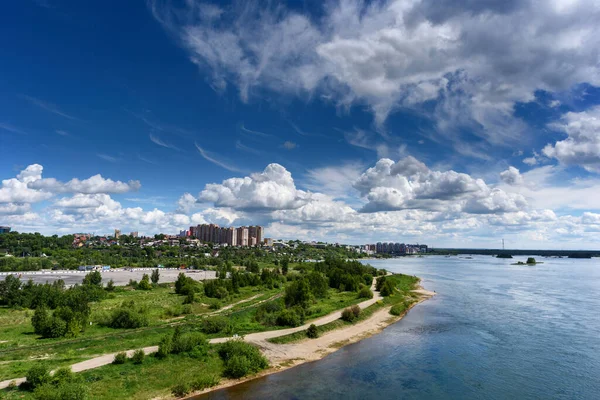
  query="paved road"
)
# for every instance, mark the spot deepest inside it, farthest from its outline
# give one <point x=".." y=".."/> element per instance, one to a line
<point x="120" y="276"/>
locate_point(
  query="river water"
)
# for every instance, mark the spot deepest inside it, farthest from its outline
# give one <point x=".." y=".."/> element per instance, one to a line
<point x="494" y="331"/>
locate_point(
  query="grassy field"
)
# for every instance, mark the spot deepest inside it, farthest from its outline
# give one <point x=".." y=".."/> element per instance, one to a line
<point x="21" y="348"/>
<point x="153" y="378"/>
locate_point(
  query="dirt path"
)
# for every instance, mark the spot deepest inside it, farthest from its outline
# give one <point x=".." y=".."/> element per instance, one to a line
<point x="281" y="353"/>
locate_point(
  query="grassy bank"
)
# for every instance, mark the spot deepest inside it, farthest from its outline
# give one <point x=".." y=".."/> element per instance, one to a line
<point x="400" y="301"/>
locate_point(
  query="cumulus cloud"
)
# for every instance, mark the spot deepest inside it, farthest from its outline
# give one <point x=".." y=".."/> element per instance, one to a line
<point x="16" y="190"/>
<point x="92" y="185"/>
<point x="582" y="146"/>
<point x="272" y="189"/>
<point x="511" y="176"/>
<point x="410" y="184"/>
<point x="473" y="57"/>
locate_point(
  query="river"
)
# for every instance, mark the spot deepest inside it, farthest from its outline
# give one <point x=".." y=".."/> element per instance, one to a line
<point x="494" y="331"/>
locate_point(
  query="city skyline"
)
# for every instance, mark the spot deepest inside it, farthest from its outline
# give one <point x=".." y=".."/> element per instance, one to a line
<point x="352" y="122"/>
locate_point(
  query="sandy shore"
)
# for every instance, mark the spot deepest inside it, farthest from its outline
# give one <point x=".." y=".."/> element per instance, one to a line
<point x="285" y="356"/>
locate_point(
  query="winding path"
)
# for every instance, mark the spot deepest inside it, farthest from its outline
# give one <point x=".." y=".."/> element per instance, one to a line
<point x="259" y="339"/>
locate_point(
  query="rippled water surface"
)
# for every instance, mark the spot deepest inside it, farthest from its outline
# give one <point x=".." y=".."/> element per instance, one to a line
<point x="494" y="331"/>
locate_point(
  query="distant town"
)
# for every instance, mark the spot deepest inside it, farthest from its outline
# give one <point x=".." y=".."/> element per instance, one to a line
<point x="215" y="236"/>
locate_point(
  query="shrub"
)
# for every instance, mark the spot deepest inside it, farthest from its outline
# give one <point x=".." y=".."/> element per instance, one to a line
<point x="129" y="317"/>
<point x="132" y="283"/>
<point x="120" y="358"/>
<point x="388" y="288"/>
<point x="138" y="356"/>
<point x="365" y="293"/>
<point x="190" y="298"/>
<point x="290" y="317"/>
<point x="41" y="320"/>
<point x="165" y="346"/>
<point x="312" y="332"/>
<point x="241" y="358"/>
<point x="184" y="343"/>
<point x="144" y="283"/>
<point x="237" y="366"/>
<point x="155" y="276"/>
<point x="351" y="313"/>
<point x="63" y="375"/>
<point x="93" y="278"/>
<point x="37" y="376"/>
<point x="110" y="286"/>
<point x="214" y="324"/>
<point x="298" y="293"/>
<point x="180" y="389"/>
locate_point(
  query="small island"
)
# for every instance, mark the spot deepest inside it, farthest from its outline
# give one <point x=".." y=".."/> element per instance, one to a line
<point x="530" y="261"/>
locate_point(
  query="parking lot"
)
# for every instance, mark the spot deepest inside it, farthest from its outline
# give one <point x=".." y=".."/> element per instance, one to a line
<point x="120" y="276"/>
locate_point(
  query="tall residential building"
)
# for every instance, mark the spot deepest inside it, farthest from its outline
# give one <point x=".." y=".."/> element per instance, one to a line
<point x="117" y="233"/>
<point x="242" y="236"/>
<point x="4" y="229"/>
<point x="134" y="234"/>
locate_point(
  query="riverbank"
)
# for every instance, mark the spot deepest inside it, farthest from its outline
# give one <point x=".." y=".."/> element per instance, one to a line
<point x="285" y="356"/>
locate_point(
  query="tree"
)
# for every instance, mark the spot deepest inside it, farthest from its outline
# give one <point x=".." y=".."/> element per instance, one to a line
<point x="284" y="266"/>
<point x="298" y="293"/>
<point x="110" y="286"/>
<point x="38" y="375"/>
<point x="388" y="288"/>
<point x="93" y="278"/>
<point x="144" y="283"/>
<point x="41" y="320"/>
<point x="138" y="356"/>
<point x="155" y="276"/>
<point x="312" y="331"/>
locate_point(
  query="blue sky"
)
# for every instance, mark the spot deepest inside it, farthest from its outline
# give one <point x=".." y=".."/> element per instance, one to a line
<point x="450" y="123"/>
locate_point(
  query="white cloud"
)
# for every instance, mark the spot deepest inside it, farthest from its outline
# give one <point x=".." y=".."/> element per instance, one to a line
<point x="157" y="140"/>
<point x="213" y="159"/>
<point x="272" y="189"/>
<point x="475" y="58"/>
<point x="186" y="203"/>
<point x="16" y="190"/>
<point x="582" y="146"/>
<point x="410" y="184"/>
<point x="92" y="185"/>
<point x="511" y="176"/>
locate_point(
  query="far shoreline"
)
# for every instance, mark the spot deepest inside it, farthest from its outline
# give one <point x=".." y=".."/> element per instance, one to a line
<point x="317" y="349"/>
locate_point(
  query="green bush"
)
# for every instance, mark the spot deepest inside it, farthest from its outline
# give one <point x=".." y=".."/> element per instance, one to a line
<point x="241" y="358"/>
<point x="144" y="283"/>
<point x="129" y="317"/>
<point x="138" y="356"/>
<point x="312" y="331"/>
<point x="237" y="367"/>
<point x="120" y="358"/>
<point x="37" y="376"/>
<point x="388" y="288"/>
<point x="110" y="286"/>
<point x="214" y="324"/>
<point x="180" y="390"/>
<point x="351" y="313"/>
<point x="63" y="375"/>
<point x="365" y="293"/>
<point x="187" y="342"/>
<point x="165" y="346"/>
<point x="290" y="317"/>
<point x="190" y="298"/>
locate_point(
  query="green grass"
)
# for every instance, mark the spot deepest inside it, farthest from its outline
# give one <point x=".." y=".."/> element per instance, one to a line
<point x="23" y="348"/>
<point x="154" y="378"/>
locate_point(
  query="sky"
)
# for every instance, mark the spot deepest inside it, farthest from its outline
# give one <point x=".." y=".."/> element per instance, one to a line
<point x="451" y="123"/>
